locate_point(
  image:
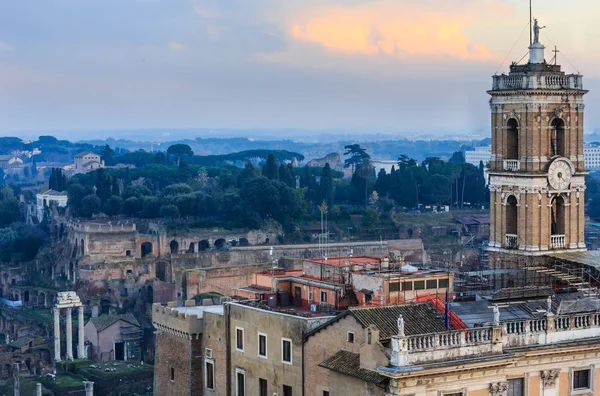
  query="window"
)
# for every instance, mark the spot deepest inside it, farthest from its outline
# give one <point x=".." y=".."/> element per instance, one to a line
<point x="351" y="338"/>
<point x="239" y="339"/>
<point x="443" y="283"/>
<point x="419" y="285"/>
<point x="286" y="350"/>
<point x="323" y="297"/>
<point x="240" y="382"/>
<point x="454" y="394"/>
<point x="208" y="353"/>
<point x="325" y="393"/>
<point x="369" y="337"/>
<point x="581" y="379"/>
<point x="432" y="283"/>
<point x="395" y="287"/>
<point x="516" y="387"/>
<point x="172" y="373"/>
<point x="310" y="296"/>
<point x="287" y="390"/>
<point x="262" y="387"/>
<point x="209" y="373"/>
<point x="128" y="253"/>
<point x="262" y="345"/>
<point x="407" y="285"/>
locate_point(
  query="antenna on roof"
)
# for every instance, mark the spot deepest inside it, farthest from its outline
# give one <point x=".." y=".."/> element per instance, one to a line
<point x="530" y="25"/>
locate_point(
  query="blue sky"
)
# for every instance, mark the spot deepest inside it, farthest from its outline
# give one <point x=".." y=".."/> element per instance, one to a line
<point x="394" y="65"/>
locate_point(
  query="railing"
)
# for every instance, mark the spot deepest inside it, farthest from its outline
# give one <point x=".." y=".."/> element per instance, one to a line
<point x="512" y="165"/>
<point x="557" y="241"/>
<point x="512" y="241"/>
<point x="569" y="81"/>
<point x="450" y="339"/>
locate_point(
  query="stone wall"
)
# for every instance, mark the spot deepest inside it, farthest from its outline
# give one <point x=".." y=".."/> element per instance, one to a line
<point x="221" y="280"/>
<point x="180" y="362"/>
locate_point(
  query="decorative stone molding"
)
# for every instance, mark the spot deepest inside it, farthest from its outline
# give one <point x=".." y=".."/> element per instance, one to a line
<point x="499" y="389"/>
<point x="549" y="378"/>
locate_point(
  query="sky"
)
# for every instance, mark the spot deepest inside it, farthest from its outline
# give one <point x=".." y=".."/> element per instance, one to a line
<point x="401" y="66"/>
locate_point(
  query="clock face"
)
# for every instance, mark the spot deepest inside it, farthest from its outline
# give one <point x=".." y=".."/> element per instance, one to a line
<point x="559" y="174"/>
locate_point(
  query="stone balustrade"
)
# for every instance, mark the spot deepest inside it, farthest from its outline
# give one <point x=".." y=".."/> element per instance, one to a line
<point x="494" y="339"/>
<point x="512" y="241"/>
<point x="512" y="165"/>
<point x="557" y="241"/>
<point x="534" y="81"/>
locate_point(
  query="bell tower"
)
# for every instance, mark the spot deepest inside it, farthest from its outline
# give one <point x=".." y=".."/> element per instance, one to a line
<point x="537" y="171"/>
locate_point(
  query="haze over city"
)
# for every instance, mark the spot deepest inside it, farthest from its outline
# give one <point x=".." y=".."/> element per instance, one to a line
<point x="93" y="69"/>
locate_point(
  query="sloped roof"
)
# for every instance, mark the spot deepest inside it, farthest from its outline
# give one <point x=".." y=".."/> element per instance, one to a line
<point x="83" y="154"/>
<point x="91" y="162"/>
<point x="419" y="318"/>
<point x="54" y="193"/>
<point x="21" y="342"/>
<point x="348" y="363"/>
<point x="104" y="321"/>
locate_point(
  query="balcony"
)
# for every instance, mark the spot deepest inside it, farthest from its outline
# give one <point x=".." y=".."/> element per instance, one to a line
<point x="533" y="81"/>
<point x="512" y="241"/>
<point x="557" y="241"/>
<point x="512" y="165"/>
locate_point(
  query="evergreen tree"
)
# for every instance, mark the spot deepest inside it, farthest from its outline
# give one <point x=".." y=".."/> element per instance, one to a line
<point x="308" y="181"/>
<point x="271" y="171"/>
<point x="127" y="179"/>
<point x="326" y="186"/>
<point x="53" y="182"/>
<point x="115" y="190"/>
<point x="286" y="177"/>
<point x="382" y="183"/>
<point x="249" y="172"/>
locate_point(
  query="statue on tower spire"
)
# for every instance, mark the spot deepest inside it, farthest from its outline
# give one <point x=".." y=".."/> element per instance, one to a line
<point x="536" y="31"/>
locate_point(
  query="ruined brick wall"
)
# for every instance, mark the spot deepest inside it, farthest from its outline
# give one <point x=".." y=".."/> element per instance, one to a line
<point x="221" y="280"/>
<point x="177" y="353"/>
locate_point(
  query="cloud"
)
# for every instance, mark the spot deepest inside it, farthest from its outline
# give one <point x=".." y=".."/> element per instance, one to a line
<point x="177" y="46"/>
<point x="206" y="13"/>
<point x="396" y="28"/>
<point x="4" y="47"/>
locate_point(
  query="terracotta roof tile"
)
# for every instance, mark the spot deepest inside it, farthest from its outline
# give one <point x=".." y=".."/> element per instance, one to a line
<point x="348" y="363"/>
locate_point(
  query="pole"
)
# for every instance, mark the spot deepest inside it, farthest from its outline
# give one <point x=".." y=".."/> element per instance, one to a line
<point x="530" y="25"/>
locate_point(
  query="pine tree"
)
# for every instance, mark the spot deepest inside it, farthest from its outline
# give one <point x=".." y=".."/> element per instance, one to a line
<point x="115" y="187"/>
<point x="285" y="176"/>
<point x="326" y="186"/>
<point x="271" y="169"/>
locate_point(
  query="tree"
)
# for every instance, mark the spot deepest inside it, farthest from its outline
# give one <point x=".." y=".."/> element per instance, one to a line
<point x="113" y="206"/>
<point x="9" y="207"/>
<point x="326" y="186"/>
<point x="169" y="211"/>
<point x="132" y="206"/>
<point x="371" y="218"/>
<point x="107" y="155"/>
<point x="90" y="205"/>
<point x="308" y="181"/>
<point x="177" y="189"/>
<point x="249" y="172"/>
<point x="271" y="171"/>
<point x="103" y="185"/>
<point x="366" y="172"/>
<point x="286" y="177"/>
<point x="179" y="150"/>
<point x="115" y="187"/>
<point x="458" y="157"/>
<point x="383" y="182"/>
<point x="357" y="156"/>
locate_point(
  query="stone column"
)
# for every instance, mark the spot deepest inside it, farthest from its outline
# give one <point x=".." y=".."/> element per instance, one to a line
<point x="81" y="353"/>
<point x="38" y="389"/>
<point x="57" y="334"/>
<point x="69" y="335"/>
<point x="89" y="388"/>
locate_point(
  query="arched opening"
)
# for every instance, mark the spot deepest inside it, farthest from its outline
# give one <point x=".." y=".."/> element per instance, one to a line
<point x="26" y="296"/>
<point x="203" y="245"/>
<point x="220" y="244"/>
<point x="512" y="139"/>
<point x="161" y="271"/>
<point x="558" y="137"/>
<point x="511" y="222"/>
<point x="42" y="299"/>
<point x="75" y="250"/>
<point x="82" y="249"/>
<point x="150" y="294"/>
<point x="104" y="307"/>
<point x="558" y="216"/>
<point x="146" y="249"/>
<point x="191" y="248"/>
<point x="174" y="245"/>
<point x="244" y="242"/>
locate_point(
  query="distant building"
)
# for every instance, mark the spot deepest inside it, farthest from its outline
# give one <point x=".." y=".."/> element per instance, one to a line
<point x="11" y="164"/>
<point x="47" y="198"/>
<point x="591" y="154"/>
<point x="480" y="154"/>
<point x="384" y="164"/>
<point x="333" y="159"/>
<point x="87" y="162"/>
<point x="113" y="337"/>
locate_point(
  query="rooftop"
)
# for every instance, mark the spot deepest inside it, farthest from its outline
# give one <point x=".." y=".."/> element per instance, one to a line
<point x="104" y="321"/>
<point x="83" y="154"/>
<point x="54" y="193"/>
<point x="200" y="310"/>
<point x="348" y="363"/>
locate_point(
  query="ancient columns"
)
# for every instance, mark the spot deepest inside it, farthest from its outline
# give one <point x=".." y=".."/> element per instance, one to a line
<point x="57" y="334"/>
<point x="69" y="335"/>
<point x="89" y="388"/>
<point x="68" y="301"/>
<point x="81" y="351"/>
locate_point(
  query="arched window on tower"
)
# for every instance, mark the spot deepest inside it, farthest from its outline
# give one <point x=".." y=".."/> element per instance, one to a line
<point x="511" y="222"/>
<point x="557" y="137"/>
<point x="512" y="139"/>
<point x="558" y="223"/>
